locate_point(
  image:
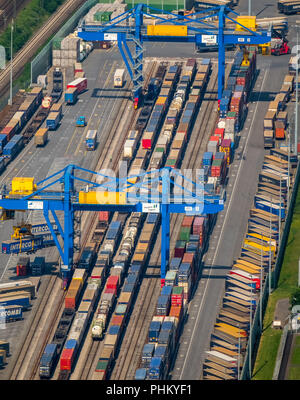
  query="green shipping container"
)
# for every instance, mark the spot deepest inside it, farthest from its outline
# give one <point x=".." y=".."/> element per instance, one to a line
<point x="184" y="233"/>
<point x="56" y="44"/>
<point x="159" y="149"/>
<point x="167" y="5"/>
<point x="170" y="162"/>
<point x="216" y="163"/>
<point x="177" y="290"/>
<point x="101" y="366"/>
<point x="231" y="114"/>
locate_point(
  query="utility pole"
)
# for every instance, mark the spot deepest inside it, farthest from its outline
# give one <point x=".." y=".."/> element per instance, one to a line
<point x="249" y="7"/>
<point x="279" y="215"/>
<point x="11" y="61"/>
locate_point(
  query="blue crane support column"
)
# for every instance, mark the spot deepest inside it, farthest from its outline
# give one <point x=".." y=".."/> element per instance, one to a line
<point x="138" y="64"/>
<point x="165" y="226"/>
<point x="221" y="57"/>
<point x="68" y="226"/>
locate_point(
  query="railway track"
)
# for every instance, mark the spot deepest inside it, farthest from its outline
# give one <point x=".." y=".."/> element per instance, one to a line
<point x="137" y="328"/>
<point x="90" y="349"/>
<point x="38" y="39"/>
<point x="41" y="331"/>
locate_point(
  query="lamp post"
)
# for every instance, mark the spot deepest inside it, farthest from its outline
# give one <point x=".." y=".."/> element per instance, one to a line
<point x="249" y="7"/>
<point x="11" y="61"/>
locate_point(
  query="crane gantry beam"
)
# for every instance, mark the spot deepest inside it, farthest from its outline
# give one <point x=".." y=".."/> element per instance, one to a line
<point x="174" y="194"/>
<point x="129" y="27"/>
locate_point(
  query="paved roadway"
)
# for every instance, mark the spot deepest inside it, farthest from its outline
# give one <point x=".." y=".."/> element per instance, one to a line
<point x="100" y="104"/>
<point x="226" y="238"/>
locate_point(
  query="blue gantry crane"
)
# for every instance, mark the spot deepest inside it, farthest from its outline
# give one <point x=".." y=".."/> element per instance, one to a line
<point x="129" y="27"/>
<point x="162" y="191"/>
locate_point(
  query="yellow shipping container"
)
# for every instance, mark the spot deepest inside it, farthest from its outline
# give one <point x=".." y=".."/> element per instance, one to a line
<point x="265" y="239"/>
<point x="250" y="243"/>
<point x="167" y="30"/>
<point x="23" y="186"/>
<point x="231" y="330"/>
<point x="102" y="198"/>
<point x="161" y="100"/>
<point x="246" y="268"/>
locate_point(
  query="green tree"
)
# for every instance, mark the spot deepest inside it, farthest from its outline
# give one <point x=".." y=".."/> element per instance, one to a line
<point x="295" y="298"/>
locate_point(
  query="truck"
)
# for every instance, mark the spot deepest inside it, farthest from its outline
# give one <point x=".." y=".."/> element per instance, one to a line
<point x="41" y="137"/>
<point x="52" y="120"/>
<point x="81" y="121"/>
<point x="80" y="84"/>
<point x="90" y="140"/>
<point x="57" y="107"/>
<point x="119" y="77"/>
<point x="71" y="95"/>
<point x="268" y="138"/>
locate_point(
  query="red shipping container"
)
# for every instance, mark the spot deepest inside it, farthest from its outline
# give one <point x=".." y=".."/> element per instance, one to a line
<point x="146" y="143"/>
<point x="103" y="216"/>
<point x="177" y="301"/>
<point x="187" y="221"/>
<point x="215" y="139"/>
<point x="111" y="290"/>
<point x="66" y="359"/>
<point x="219" y="132"/>
<point x="298" y="147"/>
<point x="112" y="282"/>
<point x="70" y="302"/>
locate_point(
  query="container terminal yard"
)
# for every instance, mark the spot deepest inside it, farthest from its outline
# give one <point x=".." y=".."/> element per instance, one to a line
<point x="164" y="272"/>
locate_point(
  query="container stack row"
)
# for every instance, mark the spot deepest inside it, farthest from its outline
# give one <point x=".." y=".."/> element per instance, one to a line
<point x="139" y="253"/>
<point x="81" y="296"/>
<point x="11" y="142"/>
<point x="276" y="118"/>
<point x="247" y="276"/>
<point x="233" y="104"/>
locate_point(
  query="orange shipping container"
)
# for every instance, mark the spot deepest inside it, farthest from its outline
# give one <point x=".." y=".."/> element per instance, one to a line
<point x="279" y="133"/>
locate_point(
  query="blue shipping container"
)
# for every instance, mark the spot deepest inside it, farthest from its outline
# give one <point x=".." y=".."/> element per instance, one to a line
<point x="10" y="312"/>
<point x="140" y="374"/>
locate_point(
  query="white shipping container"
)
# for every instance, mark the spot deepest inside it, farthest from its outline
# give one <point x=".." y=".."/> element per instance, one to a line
<point x="119" y="77"/>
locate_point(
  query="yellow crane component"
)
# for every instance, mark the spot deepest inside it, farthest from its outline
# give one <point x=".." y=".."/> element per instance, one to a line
<point x="22" y="186"/>
<point x="98" y="197"/>
<point x="167" y="30"/>
<point x="245" y="62"/>
<point x="21" y="231"/>
<point x="248" y="21"/>
<point x="265" y="49"/>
